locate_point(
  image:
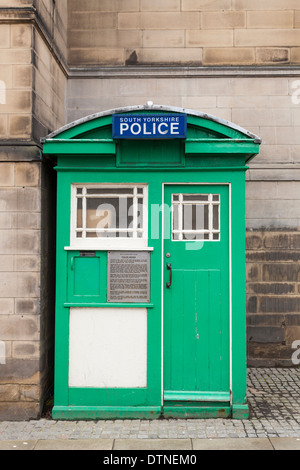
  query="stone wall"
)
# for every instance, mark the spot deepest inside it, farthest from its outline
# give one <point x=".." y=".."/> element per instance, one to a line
<point x="265" y="105"/>
<point x="273" y="301"/>
<point x="64" y="59"/>
<point x="32" y="103"/>
<point x="188" y="32"/>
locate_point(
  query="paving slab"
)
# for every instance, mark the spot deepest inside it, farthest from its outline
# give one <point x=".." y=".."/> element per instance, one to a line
<point x="17" y="445"/>
<point x="232" y="444"/>
<point x="285" y="443"/>
<point x="74" y="444"/>
<point x="153" y="444"/>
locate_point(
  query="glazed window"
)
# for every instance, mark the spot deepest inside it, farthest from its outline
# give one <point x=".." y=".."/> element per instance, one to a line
<point x="109" y="214"/>
<point x="196" y="217"/>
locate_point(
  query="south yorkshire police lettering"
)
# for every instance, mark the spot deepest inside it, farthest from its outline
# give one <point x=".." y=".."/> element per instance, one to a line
<point x="149" y="126"/>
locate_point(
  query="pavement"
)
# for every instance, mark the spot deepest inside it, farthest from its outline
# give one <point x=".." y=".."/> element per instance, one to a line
<point x="274" y="424"/>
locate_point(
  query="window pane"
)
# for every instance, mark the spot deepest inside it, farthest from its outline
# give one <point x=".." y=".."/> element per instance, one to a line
<point x="216" y="217"/>
<point x="195" y="217"/>
<point x="110" y="212"/>
<point x="79" y="213"/>
<point x="109" y="191"/>
<point x="195" y="197"/>
<point x="175" y="217"/>
<point x="200" y="215"/>
<point x="140" y="214"/>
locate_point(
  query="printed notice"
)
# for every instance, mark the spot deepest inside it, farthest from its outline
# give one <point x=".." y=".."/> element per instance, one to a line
<point x="128" y="276"/>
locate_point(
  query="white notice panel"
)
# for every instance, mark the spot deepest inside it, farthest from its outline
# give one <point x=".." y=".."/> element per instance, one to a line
<point x="108" y="347"/>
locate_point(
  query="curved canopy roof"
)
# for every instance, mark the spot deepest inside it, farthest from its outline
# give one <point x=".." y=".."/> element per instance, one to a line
<point x="79" y="124"/>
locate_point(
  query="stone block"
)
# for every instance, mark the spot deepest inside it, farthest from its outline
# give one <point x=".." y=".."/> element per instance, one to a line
<point x="21" y="35"/>
<point x="22" y="76"/>
<point x="209" y="38"/>
<point x="28" y="220"/>
<point x="204" y="5"/>
<point x="7" y="174"/>
<point x="15" y="56"/>
<point x="7" y="307"/>
<point x="254" y="240"/>
<point x="267" y="37"/>
<point x="8" y="199"/>
<point x="17" y="101"/>
<point x="251" y="304"/>
<point x="228" y="56"/>
<point x="274" y="288"/>
<point x="268" y="5"/>
<point x="19" y="328"/>
<point x="280" y="304"/>
<point x="21" y="411"/>
<point x="4" y="126"/>
<point x="88" y="20"/>
<point x="9" y="393"/>
<point x="223" y="20"/>
<point x="253" y="272"/>
<point x="6" y="76"/>
<point x="167" y="55"/>
<point x="30" y="263"/>
<point x="4" y="36"/>
<point x="295" y="55"/>
<point x="272" y="55"/>
<point x="157" y="5"/>
<point x="29" y="199"/>
<point x="292" y="334"/>
<point x="6" y="263"/>
<point x="112" y="38"/>
<point x="281" y="272"/>
<point x="19" y="126"/>
<point x="273" y="117"/>
<point x="27" y="306"/>
<point x="270" y="19"/>
<point x="285" y="241"/>
<point x="19" y="284"/>
<point x="163" y="38"/>
<point x="265" y="334"/>
<point x="106" y="5"/>
<point x="29" y="393"/>
<point x="15" y="3"/>
<point x="28" y="174"/>
<point x="26" y="349"/>
<point x="159" y="20"/>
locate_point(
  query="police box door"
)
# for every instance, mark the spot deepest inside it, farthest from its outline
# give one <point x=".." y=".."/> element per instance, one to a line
<point x="196" y="324"/>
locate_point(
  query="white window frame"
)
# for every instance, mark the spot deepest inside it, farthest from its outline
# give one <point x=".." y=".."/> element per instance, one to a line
<point x="110" y="243"/>
<point x="210" y="231"/>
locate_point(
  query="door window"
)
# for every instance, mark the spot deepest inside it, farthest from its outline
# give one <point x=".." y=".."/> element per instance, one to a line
<point x="109" y="215"/>
<point x="196" y="217"/>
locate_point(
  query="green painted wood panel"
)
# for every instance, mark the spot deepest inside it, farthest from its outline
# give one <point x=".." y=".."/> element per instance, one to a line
<point x="196" y="306"/>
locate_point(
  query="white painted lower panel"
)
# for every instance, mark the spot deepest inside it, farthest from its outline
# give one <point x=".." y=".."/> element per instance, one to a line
<point x="108" y="347"/>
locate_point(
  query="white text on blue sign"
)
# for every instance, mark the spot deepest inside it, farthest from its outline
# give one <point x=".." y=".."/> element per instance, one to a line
<point x="167" y="126"/>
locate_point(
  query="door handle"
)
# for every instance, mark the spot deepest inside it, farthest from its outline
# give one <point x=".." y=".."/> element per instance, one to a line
<point x="169" y="267"/>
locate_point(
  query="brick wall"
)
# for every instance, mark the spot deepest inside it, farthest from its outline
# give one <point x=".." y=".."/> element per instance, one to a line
<point x="273" y="303"/>
<point x="195" y="32"/>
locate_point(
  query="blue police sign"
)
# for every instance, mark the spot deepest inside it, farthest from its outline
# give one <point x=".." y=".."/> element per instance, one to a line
<point x="149" y="126"/>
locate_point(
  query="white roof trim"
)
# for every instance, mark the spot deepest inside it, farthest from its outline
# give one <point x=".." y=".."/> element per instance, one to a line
<point x="154" y="107"/>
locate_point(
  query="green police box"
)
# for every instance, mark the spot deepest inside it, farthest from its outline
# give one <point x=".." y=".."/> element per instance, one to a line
<point x="150" y="288"/>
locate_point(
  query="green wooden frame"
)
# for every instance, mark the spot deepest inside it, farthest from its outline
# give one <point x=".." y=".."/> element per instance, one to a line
<point x="215" y="151"/>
